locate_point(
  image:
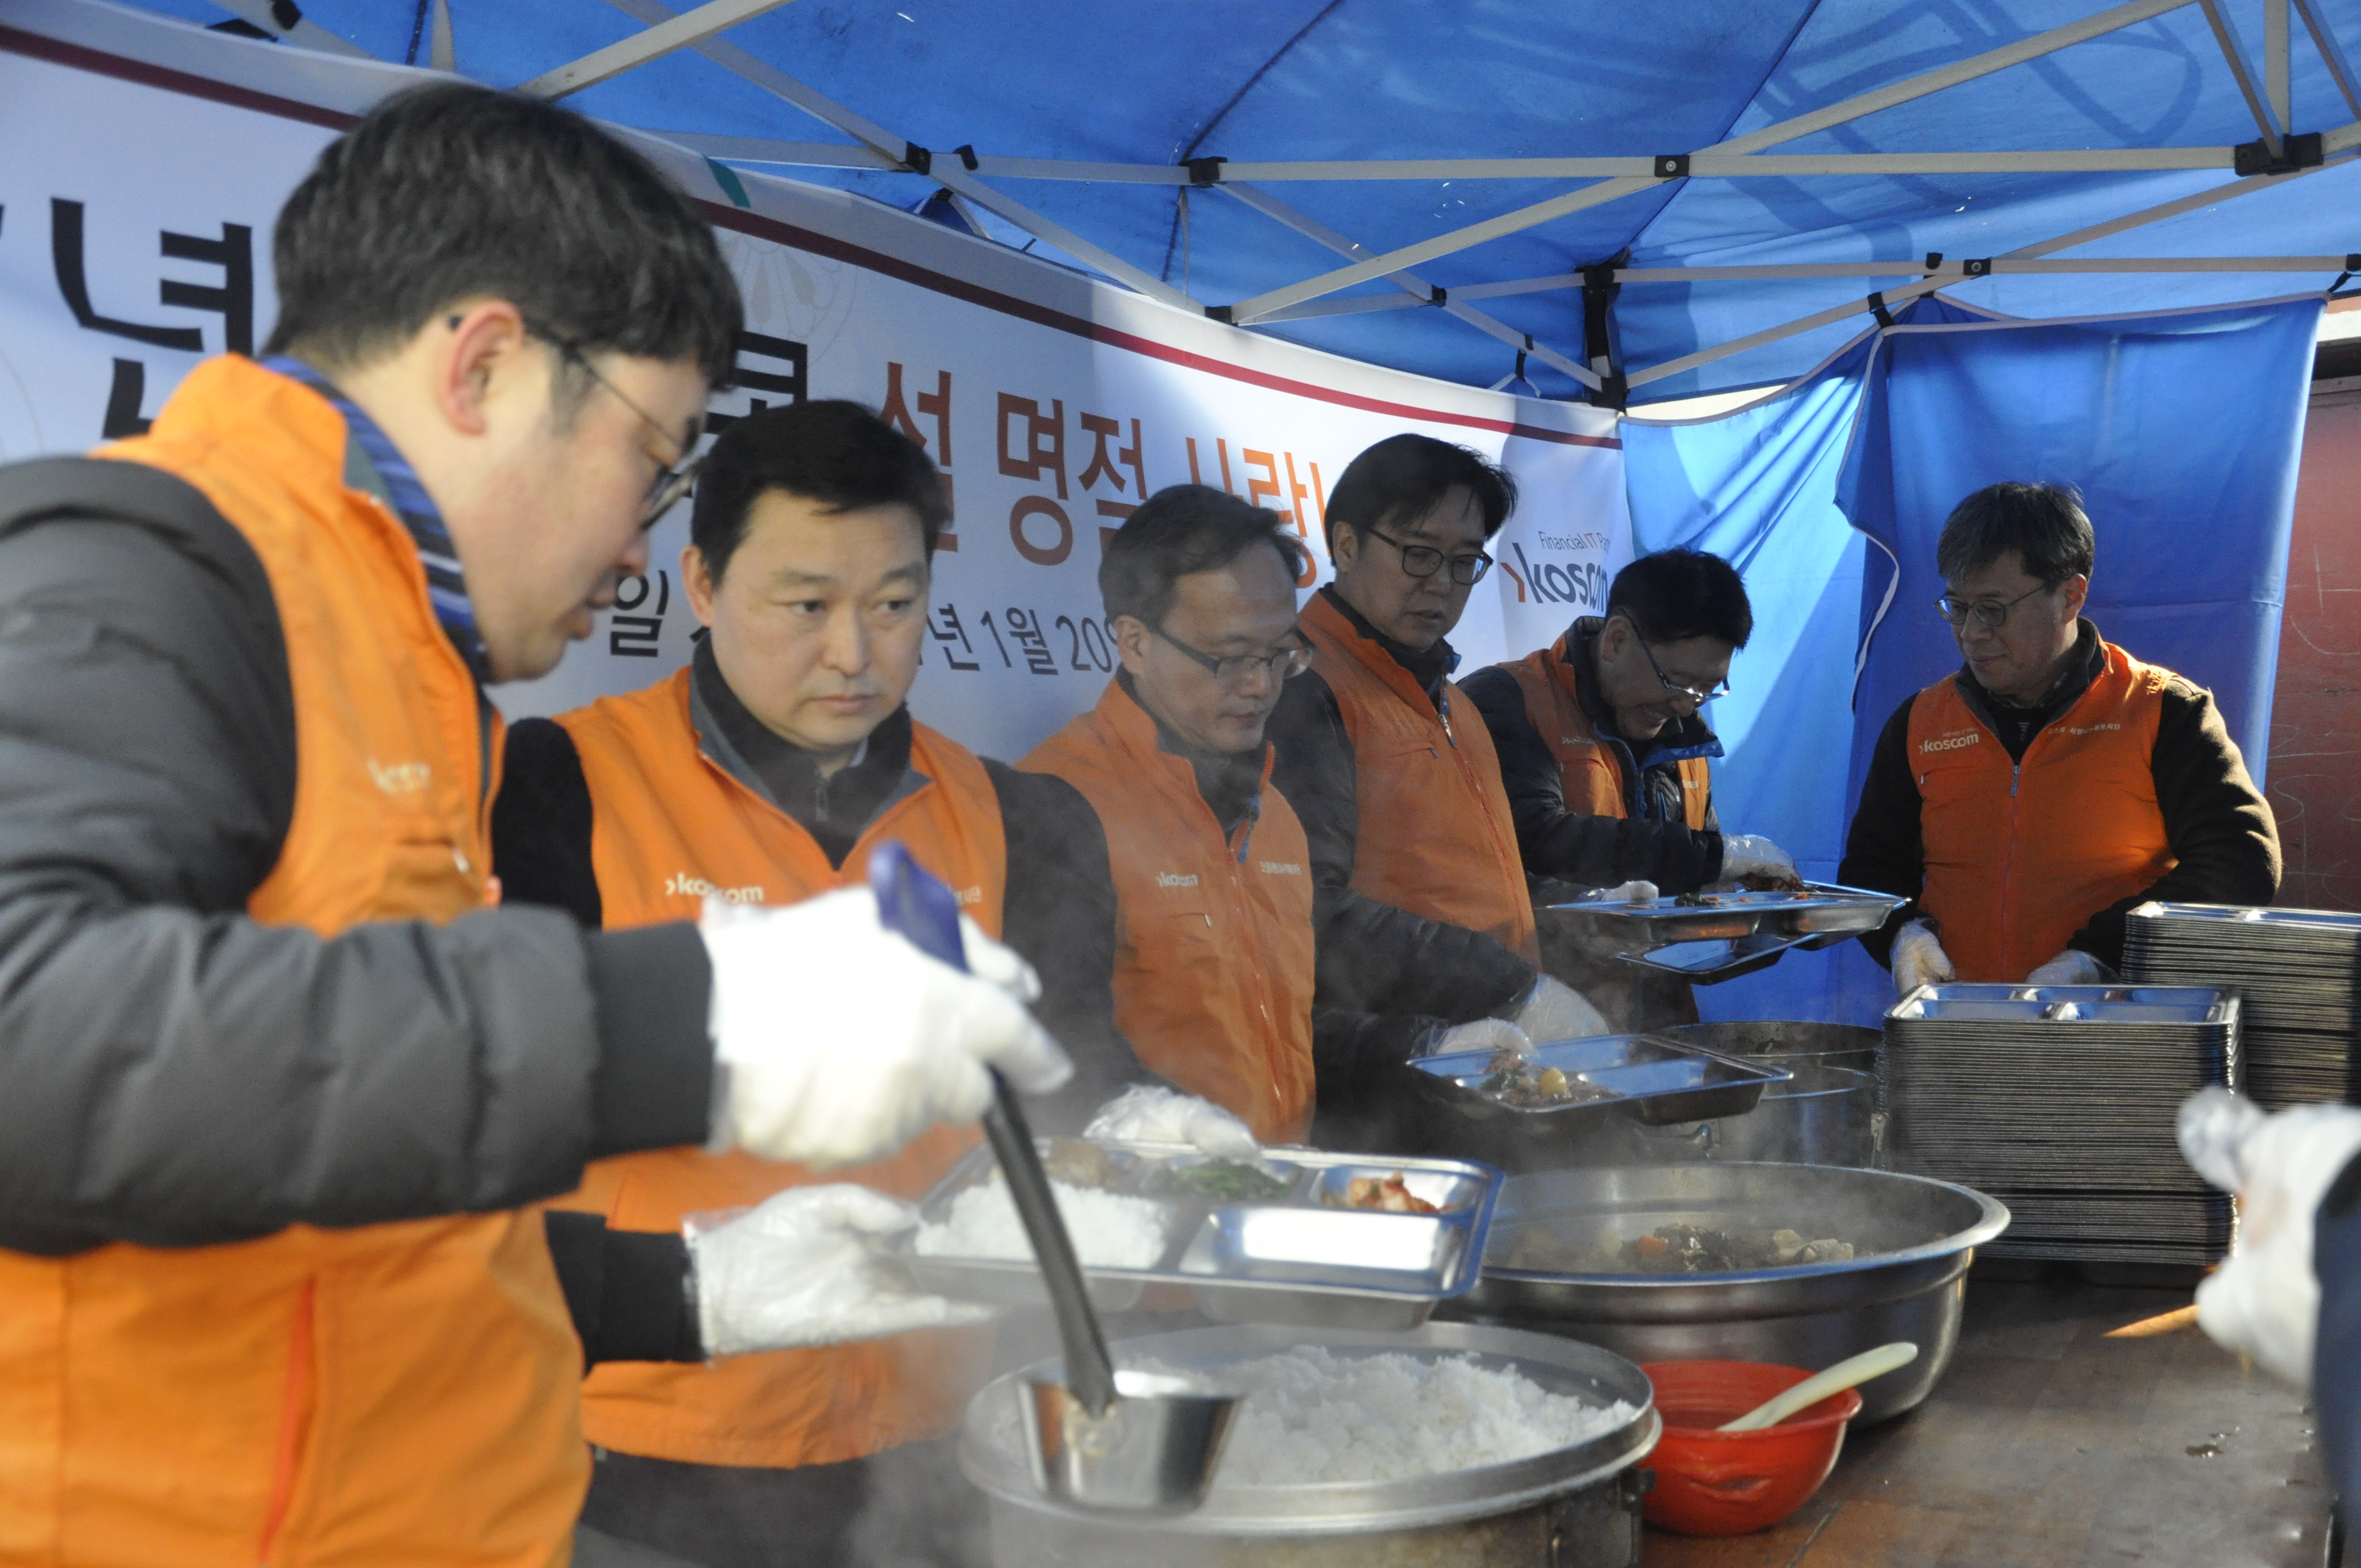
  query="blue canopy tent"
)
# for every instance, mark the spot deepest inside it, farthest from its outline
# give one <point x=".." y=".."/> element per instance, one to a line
<point x="1631" y="204"/>
<point x="1818" y="139"/>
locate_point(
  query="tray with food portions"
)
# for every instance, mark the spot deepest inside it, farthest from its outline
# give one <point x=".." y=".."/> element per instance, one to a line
<point x="1819" y="914"/>
<point x="1648" y="1077"/>
<point x="1298" y="1236"/>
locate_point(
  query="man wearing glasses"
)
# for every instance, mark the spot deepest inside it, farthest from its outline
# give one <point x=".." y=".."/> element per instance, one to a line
<point x="2029" y="802"/>
<point x="1604" y="751"/>
<point x="283" y="1089"/>
<point x="1215" y="933"/>
<point x="767" y="772"/>
<point x="1390" y="769"/>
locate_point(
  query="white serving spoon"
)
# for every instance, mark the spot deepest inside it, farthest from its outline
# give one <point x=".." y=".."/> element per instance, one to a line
<point x="1844" y="1374"/>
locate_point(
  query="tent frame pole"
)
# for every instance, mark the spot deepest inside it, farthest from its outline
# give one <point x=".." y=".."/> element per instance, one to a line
<point x="2324" y="41"/>
<point x="1408" y="282"/>
<point x="1853" y="108"/>
<point x="2238" y="62"/>
<point x="1902" y="296"/>
<point x="950" y="174"/>
<point x="684" y="30"/>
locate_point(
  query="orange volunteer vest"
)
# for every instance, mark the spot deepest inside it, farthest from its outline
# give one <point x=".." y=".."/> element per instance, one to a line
<point x="1436" y="837"/>
<point x="2019" y="856"/>
<point x="667" y="826"/>
<point x="395" y="1393"/>
<point x="1214" y="948"/>
<point x="1589" y="773"/>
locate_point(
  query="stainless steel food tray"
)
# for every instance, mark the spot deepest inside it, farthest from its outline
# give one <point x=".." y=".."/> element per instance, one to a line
<point x="2144" y="1005"/>
<point x="1824" y="913"/>
<point x="1298" y="1258"/>
<point x="1645" y="1075"/>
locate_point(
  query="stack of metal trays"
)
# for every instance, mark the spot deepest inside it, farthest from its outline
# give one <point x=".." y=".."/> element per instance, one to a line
<point x="1299" y="1236"/>
<point x="2296" y="971"/>
<point x="2059" y="1101"/>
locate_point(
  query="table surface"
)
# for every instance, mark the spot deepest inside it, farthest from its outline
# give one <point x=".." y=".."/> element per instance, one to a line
<point x="2050" y="1445"/>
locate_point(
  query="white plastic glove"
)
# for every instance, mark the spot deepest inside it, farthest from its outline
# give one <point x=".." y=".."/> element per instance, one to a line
<point x="1553" y="1010"/>
<point x="1623" y="893"/>
<point x="1919" y="959"/>
<point x="835" y="1041"/>
<point x="1149" y="1113"/>
<point x="1483" y="1034"/>
<point x="1749" y="854"/>
<point x="811" y="1265"/>
<point x="2072" y="967"/>
<point x="2264" y="1301"/>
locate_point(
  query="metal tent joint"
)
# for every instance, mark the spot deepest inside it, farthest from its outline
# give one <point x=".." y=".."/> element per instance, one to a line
<point x="1222" y="313"/>
<point x="1204" y="172"/>
<point x="966" y="151"/>
<point x="916" y="159"/>
<point x="2300" y="152"/>
<point x="1877" y="306"/>
<point x="1672" y="166"/>
<point x="1436" y="294"/>
<point x="1977" y="267"/>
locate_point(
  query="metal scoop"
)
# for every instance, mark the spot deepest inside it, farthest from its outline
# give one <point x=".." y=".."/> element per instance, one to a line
<point x="1120" y="1441"/>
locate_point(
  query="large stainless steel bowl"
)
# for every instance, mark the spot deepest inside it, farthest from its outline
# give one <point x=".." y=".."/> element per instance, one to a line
<point x="1572" y="1506"/>
<point x="1916" y="1238"/>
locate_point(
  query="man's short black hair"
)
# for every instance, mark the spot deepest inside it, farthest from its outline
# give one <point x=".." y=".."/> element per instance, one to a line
<point x="1402" y="477"/>
<point x="454" y="192"/>
<point x="834" y="452"/>
<point x="1181" y="530"/>
<point x="1675" y="594"/>
<point x="2045" y="525"/>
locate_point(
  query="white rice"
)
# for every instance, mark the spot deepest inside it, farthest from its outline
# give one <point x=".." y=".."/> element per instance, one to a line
<point x="1110" y="1230"/>
<point x="1310" y="1416"/>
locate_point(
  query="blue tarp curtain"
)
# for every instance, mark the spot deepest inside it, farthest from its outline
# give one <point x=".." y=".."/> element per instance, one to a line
<point x="2182" y="432"/>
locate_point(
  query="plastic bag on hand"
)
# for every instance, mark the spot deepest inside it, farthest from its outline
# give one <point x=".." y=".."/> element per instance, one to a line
<point x="1149" y="1113"/>
<point x="1636" y="892"/>
<point x="2072" y="967"/>
<point x="1919" y="959"/>
<point x="811" y="1265"/>
<point x="1553" y="1010"/>
<point x="835" y="1041"/>
<point x="2264" y="1301"/>
<point x="1483" y="1034"/>
<point x="1750" y="854"/>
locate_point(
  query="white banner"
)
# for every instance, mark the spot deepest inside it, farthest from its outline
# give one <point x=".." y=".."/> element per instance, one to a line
<point x="150" y="159"/>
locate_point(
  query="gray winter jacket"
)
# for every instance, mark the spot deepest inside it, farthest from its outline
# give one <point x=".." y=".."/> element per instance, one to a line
<point x="175" y="1074"/>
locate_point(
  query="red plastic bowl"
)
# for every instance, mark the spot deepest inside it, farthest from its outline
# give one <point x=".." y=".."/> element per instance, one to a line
<point x="1729" y="1483"/>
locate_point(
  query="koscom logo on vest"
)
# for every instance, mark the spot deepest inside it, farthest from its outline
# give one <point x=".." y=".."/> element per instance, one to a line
<point x="1175" y="879"/>
<point x="401" y="778"/>
<point x="683" y="885"/>
<point x="1282" y="868"/>
<point x="1951" y="742"/>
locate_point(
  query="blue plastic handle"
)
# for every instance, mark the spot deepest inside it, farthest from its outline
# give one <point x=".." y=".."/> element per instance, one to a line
<point x="914" y="902"/>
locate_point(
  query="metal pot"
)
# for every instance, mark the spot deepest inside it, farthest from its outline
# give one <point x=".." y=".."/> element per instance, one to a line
<point x="1572" y="1508"/>
<point x="1916" y="1238"/>
<point x="1824" y="1115"/>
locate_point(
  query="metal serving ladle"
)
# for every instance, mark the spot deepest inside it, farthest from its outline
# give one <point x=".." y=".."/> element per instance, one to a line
<point x="1123" y="1441"/>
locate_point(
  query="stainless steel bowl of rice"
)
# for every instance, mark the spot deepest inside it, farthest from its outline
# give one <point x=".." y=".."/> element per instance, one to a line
<point x="1448" y="1444"/>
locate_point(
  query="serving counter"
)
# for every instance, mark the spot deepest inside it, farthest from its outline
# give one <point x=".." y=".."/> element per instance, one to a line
<point x="2050" y="1445"/>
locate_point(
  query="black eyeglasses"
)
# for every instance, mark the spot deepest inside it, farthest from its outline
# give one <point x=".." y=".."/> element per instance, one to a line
<point x="1424" y="561"/>
<point x="1237" y="669"/>
<point x="1988" y="612"/>
<point x="1678" y="688"/>
<point x="671" y="482"/>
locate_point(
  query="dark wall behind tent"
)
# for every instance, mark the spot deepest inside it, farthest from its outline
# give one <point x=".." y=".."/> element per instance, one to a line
<point x="2183" y="433"/>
